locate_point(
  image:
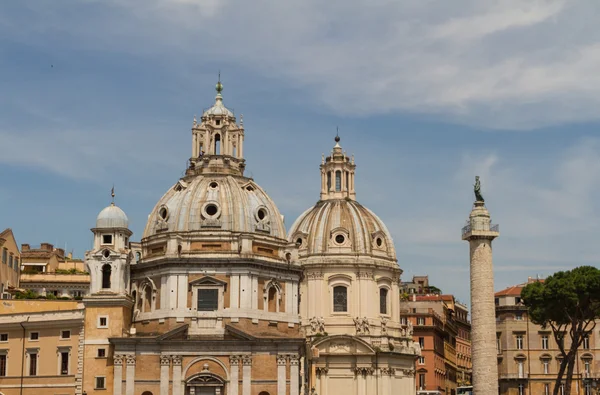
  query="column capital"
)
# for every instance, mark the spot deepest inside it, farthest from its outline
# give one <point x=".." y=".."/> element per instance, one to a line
<point x="294" y="360"/>
<point x="118" y="359"/>
<point x="281" y="360"/>
<point x="176" y="360"/>
<point x="165" y="360"/>
<point x="130" y="359"/>
<point x="247" y="360"/>
<point x="234" y="360"/>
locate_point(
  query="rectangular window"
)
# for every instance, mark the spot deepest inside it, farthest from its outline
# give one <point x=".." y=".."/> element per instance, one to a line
<point x="106" y="239"/>
<point x="208" y="299"/>
<point x="102" y="322"/>
<point x="3" y="337"/>
<point x="101" y="353"/>
<point x="100" y="383"/>
<point x="10" y="261"/>
<point x="3" y="365"/>
<point x="519" y="339"/>
<point x="338" y="181"/>
<point x="383" y="300"/>
<point x="546" y="365"/>
<point x="64" y="363"/>
<point x="421" y="360"/>
<point x="586" y="342"/>
<point x="16" y="263"/>
<point x="340" y="299"/>
<point x="422" y="380"/>
<point x="33" y="336"/>
<point x="4" y="255"/>
<point x="546" y="389"/>
<point x="498" y="343"/>
<point x="519" y="316"/>
<point x="420" y="320"/>
<point x="545" y="342"/>
<point x="33" y="359"/>
<point x="587" y="366"/>
<point x="422" y="342"/>
<point x="521" y="389"/>
<point x="65" y="334"/>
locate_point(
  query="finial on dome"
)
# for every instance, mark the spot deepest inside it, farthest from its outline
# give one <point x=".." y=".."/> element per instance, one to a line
<point x="219" y="86"/>
<point x="242" y="120"/>
<point x="337" y="134"/>
<point x="112" y="194"/>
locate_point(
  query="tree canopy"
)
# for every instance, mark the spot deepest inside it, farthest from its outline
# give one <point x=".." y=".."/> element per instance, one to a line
<point x="567" y="302"/>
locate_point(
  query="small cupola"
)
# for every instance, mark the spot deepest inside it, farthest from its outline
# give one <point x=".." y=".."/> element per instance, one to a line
<point x="337" y="174"/>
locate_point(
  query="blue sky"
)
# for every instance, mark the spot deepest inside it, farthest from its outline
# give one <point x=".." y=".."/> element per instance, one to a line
<point x="426" y="95"/>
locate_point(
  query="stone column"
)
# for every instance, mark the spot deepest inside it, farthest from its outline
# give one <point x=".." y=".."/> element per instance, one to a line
<point x="130" y="378"/>
<point x="177" y="375"/>
<point x="234" y="382"/>
<point x="246" y="375"/>
<point x="165" y="364"/>
<point x="480" y="234"/>
<point x="281" y="374"/>
<point x="118" y="374"/>
<point x="294" y="374"/>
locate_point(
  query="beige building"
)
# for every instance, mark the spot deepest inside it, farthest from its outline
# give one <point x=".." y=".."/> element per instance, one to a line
<point x="9" y="266"/>
<point x="48" y="271"/>
<point x="528" y="356"/>
<point x="41" y="347"/>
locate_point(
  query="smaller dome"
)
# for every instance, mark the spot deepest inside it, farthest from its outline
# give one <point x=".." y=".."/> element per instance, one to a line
<point x="218" y="109"/>
<point x="112" y="217"/>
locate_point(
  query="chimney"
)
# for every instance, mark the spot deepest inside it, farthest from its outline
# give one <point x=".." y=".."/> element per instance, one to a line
<point x="47" y="247"/>
<point x="60" y="252"/>
<point x="25" y="247"/>
<point x="70" y="255"/>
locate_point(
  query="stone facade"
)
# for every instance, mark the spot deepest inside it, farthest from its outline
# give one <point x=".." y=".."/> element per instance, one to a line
<point x="479" y="233"/>
<point x="10" y="259"/>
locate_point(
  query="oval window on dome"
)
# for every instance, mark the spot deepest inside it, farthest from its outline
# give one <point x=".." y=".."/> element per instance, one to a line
<point x="213" y="185"/>
<point x="340" y="239"/>
<point x="299" y="241"/>
<point x="379" y="242"/>
<point x="261" y="214"/>
<point x="163" y="213"/>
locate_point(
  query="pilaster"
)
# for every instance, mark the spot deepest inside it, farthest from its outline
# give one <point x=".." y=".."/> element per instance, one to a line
<point x="281" y="374"/>
<point x="165" y="364"/>
<point x="247" y="375"/>
<point x="234" y="374"/>
<point x="176" y="374"/>
<point x="294" y="374"/>
<point x="130" y="378"/>
<point x="118" y="374"/>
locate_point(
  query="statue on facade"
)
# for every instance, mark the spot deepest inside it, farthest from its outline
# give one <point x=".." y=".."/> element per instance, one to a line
<point x="317" y="324"/>
<point x="409" y="329"/>
<point x="477" y="190"/>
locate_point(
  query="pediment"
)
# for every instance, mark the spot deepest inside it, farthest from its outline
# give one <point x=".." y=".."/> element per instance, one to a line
<point x="208" y="281"/>
<point x="343" y="344"/>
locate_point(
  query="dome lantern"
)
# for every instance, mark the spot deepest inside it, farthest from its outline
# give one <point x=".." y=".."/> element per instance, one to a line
<point x="337" y="174"/>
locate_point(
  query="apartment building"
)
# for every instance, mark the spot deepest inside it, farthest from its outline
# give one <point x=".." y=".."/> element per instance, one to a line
<point x="9" y="267"/>
<point x="528" y="355"/>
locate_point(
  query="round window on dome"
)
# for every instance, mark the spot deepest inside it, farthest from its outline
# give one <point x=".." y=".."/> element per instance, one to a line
<point x="213" y="185"/>
<point x="299" y="241"/>
<point x="379" y="242"/>
<point x="340" y="239"/>
<point x="163" y="213"/>
<point x="211" y="210"/>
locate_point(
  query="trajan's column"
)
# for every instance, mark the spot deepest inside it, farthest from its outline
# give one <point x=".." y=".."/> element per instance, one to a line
<point x="480" y="233"/>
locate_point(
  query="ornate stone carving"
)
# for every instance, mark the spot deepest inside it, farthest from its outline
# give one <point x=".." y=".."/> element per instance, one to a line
<point x="364" y="370"/>
<point x="234" y="360"/>
<point x="314" y="275"/>
<point x="367" y="275"/>
<point x="408" y="372"/>
<point x="281" y="360"/>
<point x="247" y="360"/>
<point x="388" y="371"/>
<point x="362" y="326"/>
<point x="118" y="359"/>
<point x="176" y="360"/>
<point x="317" y="324"/>
<point x="165" y="360"/>
<point x="294" y="360"/>
<point x="321" y="370"/>
<point x="340" y="346"/>
<point x="130" y="359"/>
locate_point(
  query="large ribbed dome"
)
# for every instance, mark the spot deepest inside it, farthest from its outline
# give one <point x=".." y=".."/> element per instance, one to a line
<point x="341" y="226"/>
<point x="112" y="217"/>
<point x="216" y="203"/>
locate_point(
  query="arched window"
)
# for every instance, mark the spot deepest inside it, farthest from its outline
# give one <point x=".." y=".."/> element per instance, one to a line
<point x="347" y="181"/>
<point x="106" y="270"/>
<point x="272" y="299"/>
<point x="146" y="393"/>
<point x="147" y="299"/>
<point x="383" y="293"/>
<point x="328" y="181"/>
<point x="134" y="297"/>
<point x="138" y="256"/>
<point x="340" y="299"/>
<point x="338" y="181"/>
<point x="217" y="144"/>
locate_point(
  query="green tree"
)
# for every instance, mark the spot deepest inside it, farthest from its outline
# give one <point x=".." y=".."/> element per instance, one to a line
<point x="568" y="302"/>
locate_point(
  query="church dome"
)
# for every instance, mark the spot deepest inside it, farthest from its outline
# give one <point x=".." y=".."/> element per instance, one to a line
<point x="216" y="202"/>
<point x="112" y="217"/>
<point x="341" y="226"/>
